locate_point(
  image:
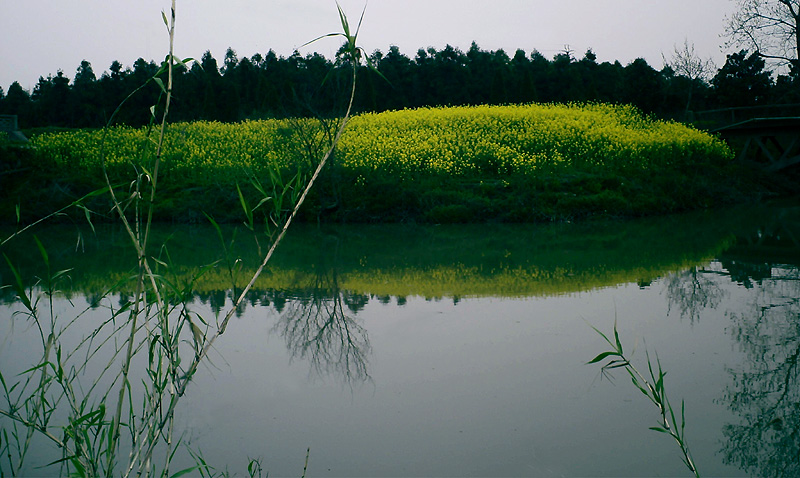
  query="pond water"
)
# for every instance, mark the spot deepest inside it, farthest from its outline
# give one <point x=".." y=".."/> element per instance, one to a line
<point x="461" y="350"/>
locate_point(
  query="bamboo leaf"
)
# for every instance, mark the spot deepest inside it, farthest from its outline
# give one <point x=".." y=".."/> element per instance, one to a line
<point x="87" y="214"/>
<point x="42" y="251"/>
<point x="18" y="286"/>
<point x="601" y="334"/>
<point x="683" y="416"/>
<point x="184" y="472"/>
<point x="61" y="273"/>
<point x="60" y="460"/>
<point x="262" y="201"/>
<point x="96" y="192"/>
<point x="602" y="356"/>
<point x="257" y="184"/>
<point x="672" y="415"/>
<point x="89" y="417"/>
<point x="320" y="38"/>
<point x="617" y="364"/>
<point x="660" y="382"/>
<point x="60" y="369"/>
<point x="616" y="338"/>
<point x="245" y="206"/>
<point x="343" y="19"/>
<point x="160" y="84"/>
<point x="214" y="225"/>
<point x="360" y="21"/>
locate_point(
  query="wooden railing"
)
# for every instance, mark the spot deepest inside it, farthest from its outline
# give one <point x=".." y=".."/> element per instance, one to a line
<point x="723" y="117"/>
<point x="768" y="137"/>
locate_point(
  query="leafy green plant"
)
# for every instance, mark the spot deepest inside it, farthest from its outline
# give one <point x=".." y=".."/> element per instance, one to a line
<point x="151" y="343"/>
<point x="652" y="386"/>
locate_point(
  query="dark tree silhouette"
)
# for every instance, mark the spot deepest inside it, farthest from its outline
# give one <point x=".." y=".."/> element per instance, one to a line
<point x="51" y="98"/>
<point x="17" y="102"/>
<point x="742" y="81"/>
<point x="85" y="107"/>
<point x="272" y="86"/>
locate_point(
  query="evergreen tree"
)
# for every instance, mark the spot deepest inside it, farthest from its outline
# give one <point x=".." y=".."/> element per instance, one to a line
<point x="268" y="85"/>
<point x="18" y="102"/>
<point x="643" y="86"/>
<point x="51" y="100"/>
<point x="742" y="81"/>
<point x="522" y="88"/>
<point x="395" y="92"/>
<point x="85" y="109"/>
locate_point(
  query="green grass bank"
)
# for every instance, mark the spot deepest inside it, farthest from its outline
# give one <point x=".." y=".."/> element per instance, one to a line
<point x="515" y="163"/>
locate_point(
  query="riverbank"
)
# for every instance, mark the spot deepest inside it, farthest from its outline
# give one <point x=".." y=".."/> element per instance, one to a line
<point x="528" y="163"/>
<point x="432" y="261"/>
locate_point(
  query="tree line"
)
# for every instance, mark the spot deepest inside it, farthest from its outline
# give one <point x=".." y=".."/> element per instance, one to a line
<point x="269" y="86"/>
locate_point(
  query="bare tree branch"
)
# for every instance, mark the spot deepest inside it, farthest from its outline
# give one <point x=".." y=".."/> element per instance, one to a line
<point x="771" y="28"/>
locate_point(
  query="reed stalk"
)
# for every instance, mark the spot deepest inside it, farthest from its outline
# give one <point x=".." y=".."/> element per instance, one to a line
<point x="652" y="386"/>
<point x="157" y="322"/>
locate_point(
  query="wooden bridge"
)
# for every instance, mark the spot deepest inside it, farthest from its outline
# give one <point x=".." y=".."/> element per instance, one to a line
<point x="767" y="136"/>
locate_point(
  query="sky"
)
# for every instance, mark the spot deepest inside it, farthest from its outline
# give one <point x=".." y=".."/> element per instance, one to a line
<point x="40" y="37"/>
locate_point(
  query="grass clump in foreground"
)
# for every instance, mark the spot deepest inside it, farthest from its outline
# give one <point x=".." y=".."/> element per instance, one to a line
<point x="513" y="163"/>
<point x="102" y="401"/>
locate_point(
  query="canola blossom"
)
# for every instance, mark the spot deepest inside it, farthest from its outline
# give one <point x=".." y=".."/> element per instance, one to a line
<point x="469" y="142"/>
<point x="523" y="139"/>
<point x="191" y="151"/>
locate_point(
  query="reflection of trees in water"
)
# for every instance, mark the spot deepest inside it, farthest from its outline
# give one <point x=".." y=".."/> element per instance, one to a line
<point x="747" y="273"/>
<point x="765" y="391"/>
<point x="318" y="329"/>
<point x="315" y="323"/>
<point x="748" y="262"/>
<point x="692" y="291"/>
<point x="316" y="326"/>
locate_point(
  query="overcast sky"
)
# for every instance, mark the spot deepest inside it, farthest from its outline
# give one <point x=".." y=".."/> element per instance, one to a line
<point x="39" y="37"/>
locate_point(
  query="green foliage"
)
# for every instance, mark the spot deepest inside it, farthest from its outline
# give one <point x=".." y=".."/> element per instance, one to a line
<point x="506" y="163"/>
<point x="426" y="261"/>
<point x="742" y="81"/>
<point x="106" y="402"/>
<point x="652" y="386"/>
<point x="268" y="85"/>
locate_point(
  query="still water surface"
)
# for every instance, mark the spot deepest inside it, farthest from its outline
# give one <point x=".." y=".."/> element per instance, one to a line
<point x="462" y="350"/>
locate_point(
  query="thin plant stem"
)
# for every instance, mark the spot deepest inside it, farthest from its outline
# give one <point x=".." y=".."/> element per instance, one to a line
<point x="653" y="388"/>
<point x="181" y="388"/>
<point x="91" y="442"/>
<point x="141" y="244"/>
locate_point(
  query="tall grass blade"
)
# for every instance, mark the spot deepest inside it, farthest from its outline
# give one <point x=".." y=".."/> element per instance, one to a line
<point x="19" y="287"/>
<point x="653" y="389"/>
<point x="602" y="356"/>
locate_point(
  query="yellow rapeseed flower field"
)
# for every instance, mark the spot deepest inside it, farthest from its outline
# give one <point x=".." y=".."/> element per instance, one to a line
<point x="471" y="142"/>
<point x="519" y="139"/>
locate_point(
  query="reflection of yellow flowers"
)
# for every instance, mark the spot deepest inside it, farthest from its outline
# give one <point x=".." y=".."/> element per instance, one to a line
<point x="459" y="141"/>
